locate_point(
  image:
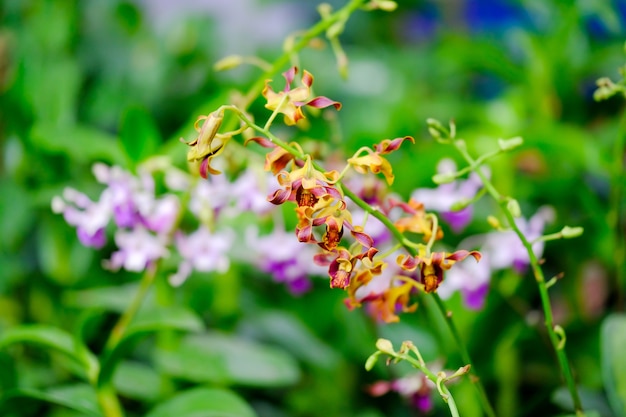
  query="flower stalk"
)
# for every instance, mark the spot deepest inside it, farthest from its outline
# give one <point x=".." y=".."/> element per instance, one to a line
<point x="386" y="348"/>
<point x="556" y="334"/>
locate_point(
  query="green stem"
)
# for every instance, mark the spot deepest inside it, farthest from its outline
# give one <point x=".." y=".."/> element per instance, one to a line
<point x="120" y="327"/>
<point x="109" y="403"/>
<point x="566" y="370"/>
<point x="465" y="356"/>
<point x="419" y="364"/>
<point x="433" y="233"/>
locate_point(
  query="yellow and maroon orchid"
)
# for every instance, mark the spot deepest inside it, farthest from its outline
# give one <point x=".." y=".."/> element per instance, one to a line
<point x="290" y="101"/>
<point x="432" y="266"/>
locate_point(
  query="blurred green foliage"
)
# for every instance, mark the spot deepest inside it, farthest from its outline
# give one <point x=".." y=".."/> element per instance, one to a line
<point x="82" y="82"/>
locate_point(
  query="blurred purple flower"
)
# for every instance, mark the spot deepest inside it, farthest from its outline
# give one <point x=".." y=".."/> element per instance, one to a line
<point x="202" y="251"/>
<point x="160" y="215"/>
<point x="415" y="387"/>
<point x="471" y="278"/>
<point x="119" y="192"/>
<point x="505" y="248"/>
<point x="442" y="198"/>
<point x="250" y="191"/>
<point x="209" y="197"/>
<point x="138" y="248"/>
<point x="283" y="257"/>
<point x="128" y="200"/>
<point x="500" y="250"/>
<point x="90" y="218"/>
<point x="133" y="199"/>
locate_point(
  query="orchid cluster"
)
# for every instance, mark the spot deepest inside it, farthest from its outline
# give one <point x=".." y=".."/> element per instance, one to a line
<point x="369" y="242"/>
<point x="324" y="217"/>
<point x="348" y="216"/>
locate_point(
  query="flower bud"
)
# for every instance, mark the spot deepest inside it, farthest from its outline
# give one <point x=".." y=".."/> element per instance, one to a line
<point x="385" y="346"/>
<point x="461" y="371"/>
<point x="436" y="129"/>
<point x="325" y="10"/>
<point x="444" y="178"/>
<point x="513" y="207"/>
<point x="227" y="63"/>
<point x="509" y="144"/>
<point x="371" y="361"/>
<point x="386" y="5"/>
<point x="494" y="222"/>
<point x="571" y="232"/>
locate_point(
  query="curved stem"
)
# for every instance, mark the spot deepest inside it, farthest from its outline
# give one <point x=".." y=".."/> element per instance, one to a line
<point x="109" y="403"/>
<point x="419" y="364"/>
<point x="433" y="233"/>
<point x="465" y="356"/>
<point x="566" y="370"/>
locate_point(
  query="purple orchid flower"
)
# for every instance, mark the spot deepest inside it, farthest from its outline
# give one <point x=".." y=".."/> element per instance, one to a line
<point x="289" y="262"/>
<point x="442" y="198"/>
<point x="203" y="251"/>
<point x="500" y="250"/>
<point x="90" y="218"/>
<point x="138" y="248"/>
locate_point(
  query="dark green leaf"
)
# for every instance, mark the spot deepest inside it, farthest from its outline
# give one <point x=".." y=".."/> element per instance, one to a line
<point x="204" y="402"/>
<point x="591" y="400"/>
<point x="81" y="143"/>
<point x="227" y="359"/>
<point x="147" y="322"/>
<point x="115" y="299"/>
<point x="137" y="381"/>
<point x="292" y="335"/>
<point x="166" y="318"/>
<point x="613" y="340"/>
<point x="16" y="213"/>
<point x="139" y="134"/>
<point x="54" y="339"/>
<point x="65" y="261"/>
<point x="81" y="397"/>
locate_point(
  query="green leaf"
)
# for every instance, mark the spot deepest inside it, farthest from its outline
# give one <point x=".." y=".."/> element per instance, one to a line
<point x="64" y="260"/>
<point x="116" y="298"/>
<point x="204" y="402"/>
<point x="147" y="322"/>
<point x="166" y="318"/>
<point x="137" y="381"/>
<point x="54" y="339"/>
<point x="286" y="330"/>
<point x="594" y="402"/>
<point x="16" y="214"/>
<point x="81" y="143"/>
<point x="139" y="134"/>
<point x="225" y="359"/>
<point x="80" y="397"/>
<point x="612" y="341"/>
